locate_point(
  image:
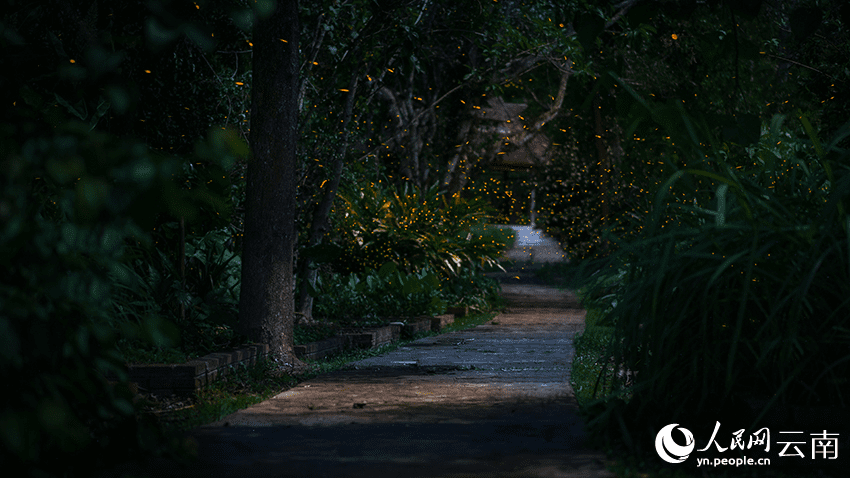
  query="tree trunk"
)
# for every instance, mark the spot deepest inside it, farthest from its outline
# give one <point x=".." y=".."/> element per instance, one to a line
<point x="266" y="307"/>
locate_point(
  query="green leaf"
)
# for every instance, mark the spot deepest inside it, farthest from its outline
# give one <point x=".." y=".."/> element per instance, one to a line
<point x="200" y="37"/>
<point x="387" y="270"/>
<point x="90" y="193"/>
<point x="158" y="34"/>
<point x="79" y="110"/>
<point x="410" y="286"/>
<point x="243" y="18"/>
<point x="264" y="8"/>
<point x="720" y="214"/>
<point x="840" y="135"/>
<point x="160" y="332"/>
<point x="119" y="99"/>
<point x="810" y="131"/>
<point x="31" y="97"/>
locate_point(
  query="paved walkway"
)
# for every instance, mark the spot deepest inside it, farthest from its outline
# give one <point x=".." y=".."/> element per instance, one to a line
<point x="535" y="246"/>
<point x="493" y="401"/>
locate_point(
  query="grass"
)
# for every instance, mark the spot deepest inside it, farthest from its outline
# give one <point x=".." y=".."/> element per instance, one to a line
<point x="247" y="386"/>
<point x="244" y="386"/>
<point x="590" y="352"/>
<point x="590" y="348"/>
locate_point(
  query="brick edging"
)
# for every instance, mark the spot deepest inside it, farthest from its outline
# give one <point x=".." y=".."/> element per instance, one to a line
<point x="189" y="377"/>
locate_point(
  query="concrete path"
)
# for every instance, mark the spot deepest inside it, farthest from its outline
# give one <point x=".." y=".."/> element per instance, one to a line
<point x="493" y="401"/>
<point x="490" y="401"/>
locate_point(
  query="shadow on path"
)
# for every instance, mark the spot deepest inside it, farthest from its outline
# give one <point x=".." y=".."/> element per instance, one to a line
<point x="529" y="438"/>
<point x="492" y="401"/>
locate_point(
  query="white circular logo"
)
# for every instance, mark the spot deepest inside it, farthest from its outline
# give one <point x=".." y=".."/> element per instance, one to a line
<point x="668" y="449"/>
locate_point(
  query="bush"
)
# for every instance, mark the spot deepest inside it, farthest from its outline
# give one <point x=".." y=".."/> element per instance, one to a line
<point x="429" y="250"/>
<point x="569" y="198"/>
<point x="304" y="333"/>
<point x="377" y="223"/>
<point x="76" y="207"/>
<point x="471" y="289"/>
<point x="382" y="294"/>
<point x="742" y="306"/>
<point x="70" y="202"/>
<point x="204" y="307"/>
<point x="388" y="294"/>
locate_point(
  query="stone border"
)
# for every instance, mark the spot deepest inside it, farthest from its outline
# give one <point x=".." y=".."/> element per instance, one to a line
<point x="195" y="374"/>
<point x="321" y="349"/>
<point x="416" y="326"/>
<point x="189" y="377"/>
<point x="371" y="337"/>
<point x="440" y="321"/>
<point x="458" y="311"/>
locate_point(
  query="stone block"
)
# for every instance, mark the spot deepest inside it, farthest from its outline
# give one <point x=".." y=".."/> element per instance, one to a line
<point x="370" y="337"/>
<point x="459" y="311"/>
<point x="320" y="349"/>
<point x="416" y="326"/>
<point x="440" y="321"/>
<point x="195" y="374"/>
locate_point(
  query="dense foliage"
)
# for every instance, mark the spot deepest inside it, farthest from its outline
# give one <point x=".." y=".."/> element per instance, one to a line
<point x="382" y="295"/>
<point x="389" y="295"/>
<point x="729" y="65"/>
<point x="377" y="222"/>
<point x="122" y="210"/>
<point x="70" y="203"/>
<point x="403" y="252"/>
<point x="736" y="305"/>
<point x="84" y="203"/>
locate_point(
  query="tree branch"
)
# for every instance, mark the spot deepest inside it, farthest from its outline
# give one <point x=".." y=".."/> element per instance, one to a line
<point x="623" y="9"/>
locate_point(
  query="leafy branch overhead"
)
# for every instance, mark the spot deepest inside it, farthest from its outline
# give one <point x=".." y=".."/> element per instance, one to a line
<point x="427" y="65"/>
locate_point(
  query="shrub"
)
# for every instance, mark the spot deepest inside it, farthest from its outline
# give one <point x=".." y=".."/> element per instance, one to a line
<point x="377" y="223"/>
<point x="428" y="250"/>
<point x="71" y="201"/>
<point x="578" y="197"/>
<point x="385" y="293"/>
<point x="472" y="289"/>
<point x="76" y="204"/>
<point x="204" y="307"/>
<point x="741" y="301"/>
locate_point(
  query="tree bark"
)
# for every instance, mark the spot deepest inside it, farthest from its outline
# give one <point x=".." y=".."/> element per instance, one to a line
<point x="266" y="307"/>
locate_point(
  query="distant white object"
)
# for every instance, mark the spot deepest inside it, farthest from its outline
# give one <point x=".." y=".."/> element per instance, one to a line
<point x="535" y="246"/>
<point x="527" y="236"/>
